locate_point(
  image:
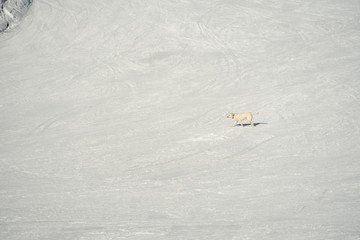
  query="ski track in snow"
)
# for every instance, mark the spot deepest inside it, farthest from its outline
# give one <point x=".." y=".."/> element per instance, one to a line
<point x="113" y="120"/>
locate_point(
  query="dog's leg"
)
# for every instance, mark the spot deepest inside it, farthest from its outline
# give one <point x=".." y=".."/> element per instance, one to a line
<point x="235" y="123"/>
<point x="241" y="124"/>
<point x="250" y="120"/>
<point x="252" y="123"/>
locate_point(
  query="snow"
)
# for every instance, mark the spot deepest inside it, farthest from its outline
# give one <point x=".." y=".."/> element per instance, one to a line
<point x="11" y="12"/>
<point x="113" y="120"/>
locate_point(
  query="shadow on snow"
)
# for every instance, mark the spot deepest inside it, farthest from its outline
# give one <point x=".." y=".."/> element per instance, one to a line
<point x="248" y="124"/>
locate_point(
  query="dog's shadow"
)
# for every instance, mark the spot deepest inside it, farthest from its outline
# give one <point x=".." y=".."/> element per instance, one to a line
<point x="248" y="124"/>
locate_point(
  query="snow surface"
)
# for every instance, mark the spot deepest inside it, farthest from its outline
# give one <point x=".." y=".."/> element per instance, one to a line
<point x="11" y="12"/>
<point x="113" y="120"/>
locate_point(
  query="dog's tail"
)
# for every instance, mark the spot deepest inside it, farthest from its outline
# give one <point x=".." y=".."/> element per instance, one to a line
<point x="255" y="113"/>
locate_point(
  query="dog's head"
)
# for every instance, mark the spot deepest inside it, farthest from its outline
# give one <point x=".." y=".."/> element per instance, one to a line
<point x="230" y="115"/>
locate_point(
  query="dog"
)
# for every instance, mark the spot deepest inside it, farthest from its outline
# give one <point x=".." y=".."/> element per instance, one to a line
<point x="239" y="117"/>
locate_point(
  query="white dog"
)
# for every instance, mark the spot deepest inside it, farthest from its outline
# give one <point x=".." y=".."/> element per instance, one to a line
<point x="239" y="117"/>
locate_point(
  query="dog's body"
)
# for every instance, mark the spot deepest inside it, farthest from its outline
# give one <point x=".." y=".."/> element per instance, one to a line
<point x="239" y="117"/>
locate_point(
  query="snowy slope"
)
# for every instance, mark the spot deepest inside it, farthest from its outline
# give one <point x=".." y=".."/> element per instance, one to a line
<point x="113" y="120"/>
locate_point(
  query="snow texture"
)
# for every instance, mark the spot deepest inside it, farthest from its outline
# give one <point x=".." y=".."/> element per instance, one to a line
<point x="113" y="120"/>
<point x="11" y="12"/>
